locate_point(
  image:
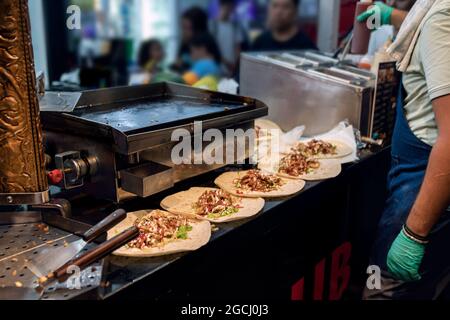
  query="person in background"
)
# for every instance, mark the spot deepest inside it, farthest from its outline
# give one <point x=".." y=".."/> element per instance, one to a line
<point x="150" y="67"/>
<point x="411" y="247"/>
<point x="230" y="36"/>
<point x="151" y="55"/>
<point x="206" y="59"/>
<point x="284" y="32"/>
<point x="193" y="22"/>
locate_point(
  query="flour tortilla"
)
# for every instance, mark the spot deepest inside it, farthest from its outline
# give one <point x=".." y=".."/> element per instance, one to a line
<point x="289" y="187"/>
<point x="329" y="169"/>
<point x="197" y="238"/>
<point x="343" y="150"/>
<point x="182" y="203"/>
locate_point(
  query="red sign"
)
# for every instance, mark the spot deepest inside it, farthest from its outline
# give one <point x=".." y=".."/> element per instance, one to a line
<point x="338" y="279"/>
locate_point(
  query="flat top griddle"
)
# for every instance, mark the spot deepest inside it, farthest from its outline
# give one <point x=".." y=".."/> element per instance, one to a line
<point x="134" y="117"/>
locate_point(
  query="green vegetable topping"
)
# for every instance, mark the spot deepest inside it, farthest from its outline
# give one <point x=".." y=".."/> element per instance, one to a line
<point x="182" y="232"/>
<point x="225" y="213"/>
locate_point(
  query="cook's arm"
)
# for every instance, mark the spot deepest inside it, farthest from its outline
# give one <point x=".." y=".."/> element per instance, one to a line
<point x="407" y="251"/>
<point x="434" y="196"/>
<point x="397" y="18"/>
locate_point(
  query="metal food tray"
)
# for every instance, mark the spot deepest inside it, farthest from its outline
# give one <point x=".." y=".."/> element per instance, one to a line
<point x="136" y="118"/>
<point x="19" y="244"/>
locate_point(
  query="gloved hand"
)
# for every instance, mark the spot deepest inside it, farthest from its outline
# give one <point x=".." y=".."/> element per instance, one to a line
<point x="405" y="257"/>
<point x="384" y="9"/>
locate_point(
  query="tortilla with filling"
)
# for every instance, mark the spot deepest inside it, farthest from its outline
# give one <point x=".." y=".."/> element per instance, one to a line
<point x="342" y="150"/>
<point x="197" y="238"/>
<point x="183" y="203"/>
<point x="328" y="169"/>
<point x="227" y="182"/>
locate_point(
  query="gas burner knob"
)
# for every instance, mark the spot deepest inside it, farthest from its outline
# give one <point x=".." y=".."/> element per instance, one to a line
<point x="75" y="168"/>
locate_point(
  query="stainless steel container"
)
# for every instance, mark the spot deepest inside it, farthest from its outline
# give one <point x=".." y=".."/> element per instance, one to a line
<point x="306" y="88"/>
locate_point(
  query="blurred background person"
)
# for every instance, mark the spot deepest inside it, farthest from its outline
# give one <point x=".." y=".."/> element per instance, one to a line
<point x="230" y="36"/>
<point x="283" y="29"/>
<point x="194" y="21"/>
<point x="206" y="60"/>
<point x="150" y="65"/>
<point x="151" y="55"/>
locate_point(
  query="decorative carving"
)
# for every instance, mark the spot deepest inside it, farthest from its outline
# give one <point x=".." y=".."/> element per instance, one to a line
<point x="22" y="168"/>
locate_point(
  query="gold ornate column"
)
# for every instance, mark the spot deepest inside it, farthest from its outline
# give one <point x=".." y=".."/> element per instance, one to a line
<point x="22" y="168"/>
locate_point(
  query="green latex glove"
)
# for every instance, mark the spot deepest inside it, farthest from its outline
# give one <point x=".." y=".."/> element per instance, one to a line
<point x="384" y="9"/>
<point x="405" y="258"/>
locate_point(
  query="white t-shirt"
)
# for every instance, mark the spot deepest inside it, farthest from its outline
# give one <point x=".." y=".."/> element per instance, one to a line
<point x="428" y="75"/>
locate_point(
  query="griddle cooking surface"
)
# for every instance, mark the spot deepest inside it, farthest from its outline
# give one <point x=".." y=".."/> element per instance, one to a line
<point x="137" y="116"/>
